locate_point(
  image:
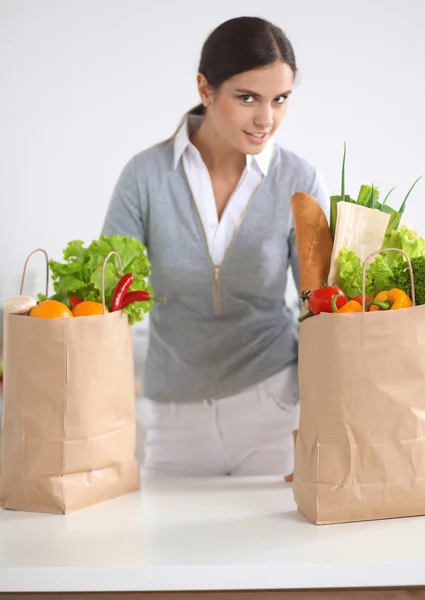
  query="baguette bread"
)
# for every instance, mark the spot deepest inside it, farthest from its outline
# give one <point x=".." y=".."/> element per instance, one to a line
<point x="313" y="240"/>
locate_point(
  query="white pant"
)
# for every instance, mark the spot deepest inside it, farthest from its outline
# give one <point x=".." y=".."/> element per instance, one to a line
<point x="246" y="434"/>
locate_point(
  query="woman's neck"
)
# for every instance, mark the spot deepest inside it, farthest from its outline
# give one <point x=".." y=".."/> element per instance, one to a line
<point x="219" y="157"/>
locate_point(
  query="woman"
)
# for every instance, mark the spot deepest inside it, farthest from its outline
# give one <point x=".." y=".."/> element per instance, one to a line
<point x="212" y="205"/>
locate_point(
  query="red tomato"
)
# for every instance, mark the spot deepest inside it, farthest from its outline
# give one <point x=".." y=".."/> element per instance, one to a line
<point x="75" y="300"/>
<point x="320" y="300"/>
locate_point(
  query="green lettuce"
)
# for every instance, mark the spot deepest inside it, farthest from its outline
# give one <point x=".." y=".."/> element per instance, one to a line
<point x="386" y="269"/>
<point x="404" y="239"/>
<point x="350" y="273"/>
<point x="379" y="274"/>
<point x="81" y="272"/>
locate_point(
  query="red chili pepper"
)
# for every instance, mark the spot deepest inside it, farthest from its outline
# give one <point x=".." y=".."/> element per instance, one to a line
<point x="138" y="296"/>
<point x="121" y="290"/>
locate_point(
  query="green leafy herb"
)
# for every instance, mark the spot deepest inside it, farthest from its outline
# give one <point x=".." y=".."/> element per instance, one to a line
<point x="368" y="197"/>
<point x="403" y="206"/>
<point x="387" y="196"/>
<point x="343" y="172"/>
<point x="401" y="278"/>
<point x="336" y="199"/>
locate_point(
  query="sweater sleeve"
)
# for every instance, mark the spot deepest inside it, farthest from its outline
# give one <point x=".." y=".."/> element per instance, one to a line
<point x="318" y="190"/>
<point x="124" y="214"/>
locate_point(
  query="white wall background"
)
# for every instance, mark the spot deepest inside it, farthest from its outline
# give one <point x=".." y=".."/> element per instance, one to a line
<point x="85" y="84"/>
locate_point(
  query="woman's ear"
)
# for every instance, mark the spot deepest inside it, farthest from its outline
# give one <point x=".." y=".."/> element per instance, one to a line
<point x="204" y="89"/>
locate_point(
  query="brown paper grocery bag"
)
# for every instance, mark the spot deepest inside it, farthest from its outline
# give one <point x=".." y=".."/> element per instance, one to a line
<point x="360" y="452"/>
<point x="69" y="425"/>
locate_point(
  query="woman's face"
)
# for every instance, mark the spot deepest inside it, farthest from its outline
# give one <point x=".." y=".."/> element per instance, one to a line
<point x="248" y="108"/>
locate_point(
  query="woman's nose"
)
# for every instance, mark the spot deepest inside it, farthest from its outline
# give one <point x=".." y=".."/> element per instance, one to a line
<point x="264" y="117"/>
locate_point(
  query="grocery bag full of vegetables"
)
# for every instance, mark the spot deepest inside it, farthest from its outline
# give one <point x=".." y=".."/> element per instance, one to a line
<point x="69" y="424"/>
<point x="360" y="450"/>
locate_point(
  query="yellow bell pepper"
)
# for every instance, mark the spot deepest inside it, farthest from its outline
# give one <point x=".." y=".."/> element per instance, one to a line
<point x="391" y="300"/>
<point x="350" y="307"/>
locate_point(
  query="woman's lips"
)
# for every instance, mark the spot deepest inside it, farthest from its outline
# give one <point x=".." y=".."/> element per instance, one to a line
<point x="257" y="138"/>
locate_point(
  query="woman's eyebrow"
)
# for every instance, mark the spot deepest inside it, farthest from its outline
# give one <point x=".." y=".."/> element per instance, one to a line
<point x="252" y="93"/>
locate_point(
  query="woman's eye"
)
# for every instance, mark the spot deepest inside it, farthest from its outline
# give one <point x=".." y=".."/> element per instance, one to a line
<point x="247" y="98"/>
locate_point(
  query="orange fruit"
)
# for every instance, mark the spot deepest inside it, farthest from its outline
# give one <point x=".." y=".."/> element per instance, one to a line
<point x="88" y="309"/>
<point x="50" y="309"/>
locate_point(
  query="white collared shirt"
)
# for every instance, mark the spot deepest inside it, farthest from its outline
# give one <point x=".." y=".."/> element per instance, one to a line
<point x="219" y="233"/>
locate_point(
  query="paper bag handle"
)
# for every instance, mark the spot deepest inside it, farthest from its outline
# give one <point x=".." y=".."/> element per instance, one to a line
<point x="25" y="270"/>
<point x="412" y="282"/>
<point x="103" y="276"/>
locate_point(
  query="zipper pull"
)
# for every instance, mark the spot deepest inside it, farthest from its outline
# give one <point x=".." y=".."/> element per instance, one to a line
<point x="217" y="290"/>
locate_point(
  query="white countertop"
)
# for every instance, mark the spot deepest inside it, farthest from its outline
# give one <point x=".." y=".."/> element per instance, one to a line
<point x="204" y="534"/>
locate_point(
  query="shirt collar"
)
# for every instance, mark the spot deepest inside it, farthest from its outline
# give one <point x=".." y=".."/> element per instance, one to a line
<point x="192" y="122"/>
<point x="263" y="159"/>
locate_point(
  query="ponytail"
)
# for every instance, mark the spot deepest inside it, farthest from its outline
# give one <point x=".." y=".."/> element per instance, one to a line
<point x="198" y="110"/>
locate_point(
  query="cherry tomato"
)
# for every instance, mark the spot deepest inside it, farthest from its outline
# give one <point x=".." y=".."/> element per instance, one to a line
<point x="75" y="300"/>
<point x="359" y="300"/>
